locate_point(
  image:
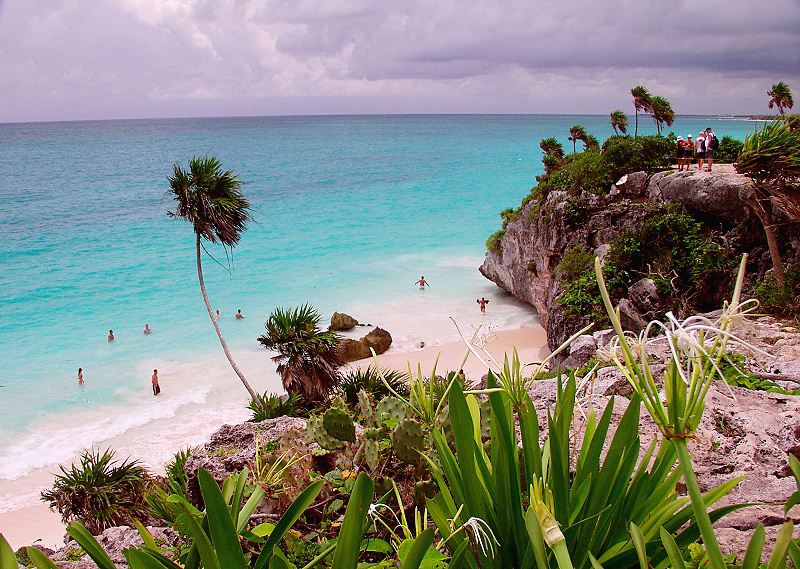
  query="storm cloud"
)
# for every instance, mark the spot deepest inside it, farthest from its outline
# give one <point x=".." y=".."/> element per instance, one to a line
<point x="74" y="59"/>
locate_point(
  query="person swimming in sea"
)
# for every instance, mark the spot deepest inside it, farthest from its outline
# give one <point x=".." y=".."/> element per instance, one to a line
<point x="422" y="283"/>
<point x="147" y="329"/>
<point x="239" y="314"/>
<point x="111" y="335"/>
<point x="80" y="376"/>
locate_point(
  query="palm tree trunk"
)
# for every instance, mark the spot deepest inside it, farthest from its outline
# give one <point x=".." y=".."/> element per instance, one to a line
<point x="764" y="212"/>
<point x="216" y="326"/>
<point x="636" y="130"/>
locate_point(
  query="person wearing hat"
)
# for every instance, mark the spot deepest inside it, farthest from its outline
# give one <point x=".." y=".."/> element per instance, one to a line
<point x="680" y="153"/>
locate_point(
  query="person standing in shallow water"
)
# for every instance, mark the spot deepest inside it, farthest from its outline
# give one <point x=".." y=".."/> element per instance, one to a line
<point x="239" y="314"/>
<point x="483" y="302"/>
<point x="422" y="283"/>
<point x="156" y="387"/>
<point x="80" y="376"/>
<point x="111" y="335"/>
<point x="147" y="329"/>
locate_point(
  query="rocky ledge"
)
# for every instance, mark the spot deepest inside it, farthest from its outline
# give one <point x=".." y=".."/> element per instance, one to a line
<point x="524" y="262"/>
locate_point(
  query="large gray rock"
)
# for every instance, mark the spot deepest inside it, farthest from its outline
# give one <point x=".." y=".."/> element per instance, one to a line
<point x="701" y="191"/>
<point x="581" y="351"/>
<point x="633" y="184"/>
<point x="644" y="295"/>
<point x="630" y="317"/>
<point x="340" y="321"/>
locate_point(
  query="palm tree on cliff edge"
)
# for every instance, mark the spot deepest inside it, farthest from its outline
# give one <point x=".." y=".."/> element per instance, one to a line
<point x="781" y="97"/>
<point x="210" y="200"/>
<point x="641" y="101"/>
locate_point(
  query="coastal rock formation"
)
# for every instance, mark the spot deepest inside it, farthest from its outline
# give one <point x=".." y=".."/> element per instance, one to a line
<point x="340" y="321"/>
<point x="353" y="350"/>
<point x="525" y="261"/>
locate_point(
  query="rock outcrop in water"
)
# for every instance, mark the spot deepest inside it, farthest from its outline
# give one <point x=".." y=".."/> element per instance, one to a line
<point x="525" y="260"/>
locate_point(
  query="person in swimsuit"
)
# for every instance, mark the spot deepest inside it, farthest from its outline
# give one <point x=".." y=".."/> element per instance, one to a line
<point x="483" y="302"/>
<point x="239" y="314"/>
<point x="146" y="330"/>
<point x="111" y="335"/>
<point x="156" y="387"/>
<point x="217" y="314"/>
<point x="422" y="283"/>
<point x="80" y="376"/>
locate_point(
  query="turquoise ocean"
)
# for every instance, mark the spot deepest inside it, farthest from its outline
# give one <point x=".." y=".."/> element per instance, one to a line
<point x="349" y="211"/>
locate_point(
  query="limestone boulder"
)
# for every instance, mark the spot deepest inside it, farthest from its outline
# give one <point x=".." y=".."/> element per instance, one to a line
<point x="378" y="339"/>
<point x="632" y="185"/>
<point x="580" y="351"/>
<point x="645" y="297"/>
<point x="341" y="321"/>
<point x="353" y="350"/>
<point x="701" y="191"/>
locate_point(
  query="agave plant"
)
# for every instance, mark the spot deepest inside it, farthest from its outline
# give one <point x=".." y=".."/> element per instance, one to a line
<point x="271" y="406"/>
<point x="100" y="493"/>
<point x="373" y="382"/>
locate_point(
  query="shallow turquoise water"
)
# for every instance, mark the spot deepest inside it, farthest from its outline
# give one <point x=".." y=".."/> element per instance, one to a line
<point x="350" y="211"/>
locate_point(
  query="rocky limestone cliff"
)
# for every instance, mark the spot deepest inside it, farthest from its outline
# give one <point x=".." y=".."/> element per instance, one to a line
<point x="525" y="261"/>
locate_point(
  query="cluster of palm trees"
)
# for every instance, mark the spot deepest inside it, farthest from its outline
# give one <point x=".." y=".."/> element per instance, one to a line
<point x="658" y="107"/>
<point x="577" y="132"/>
<point x="210" y="199"/>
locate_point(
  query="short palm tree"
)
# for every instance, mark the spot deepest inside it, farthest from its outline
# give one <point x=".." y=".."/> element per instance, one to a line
<point x="619" y="121"/>
<point x="770" y="157"/>
<point x="780" y="96"/>
<point x="576" y="133"/>
<point x="662" y="112"/>
<point x="552" y="147"/>
<point x="209" y="199"/>
<point x="308" y="358"/>
<point x="641" y="101"/>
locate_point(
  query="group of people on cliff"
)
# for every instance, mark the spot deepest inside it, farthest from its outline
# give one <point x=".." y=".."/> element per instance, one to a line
<point x="703" y="149"/>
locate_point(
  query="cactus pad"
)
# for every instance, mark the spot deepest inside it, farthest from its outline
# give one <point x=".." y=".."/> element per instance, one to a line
<point x="407" y="440"/>
<point x="315" y="432"/>
<point x="390" y="407"/>
<point x="338" y="424"/>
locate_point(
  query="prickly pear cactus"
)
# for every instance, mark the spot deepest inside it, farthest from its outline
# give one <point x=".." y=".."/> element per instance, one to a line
<point x="390" y="408"/>
<point x="338" y="424"/>
<point x="316" y="433"/>
<point x="371" y="453"/>
<point x="408" y="438"/>
<point x="365" y="408"/>
<point x="424" y="489"/>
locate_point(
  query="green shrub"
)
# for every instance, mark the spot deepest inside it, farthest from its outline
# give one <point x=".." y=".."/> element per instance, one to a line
<point x="575" y="261"/>
<point x="728" y="150"/>
<point x="494" y="240"/>
<point x="99" y="493"/>
<point x="271" y="406"/>
<point x="370" y="381"/>
<point x="777" y="299"/>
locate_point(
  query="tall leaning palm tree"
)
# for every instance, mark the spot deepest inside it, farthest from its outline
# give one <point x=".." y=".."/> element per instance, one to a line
<point x="662" y="112"/>
<point x="576" y="133"/>
<point x="780" y="96"/>
<point x="209" y="199"/>
<point x="770" y="157"/>
<point x="641" y="101"/>
<point x="619" y="120"/>
<point x="308" y="359"/>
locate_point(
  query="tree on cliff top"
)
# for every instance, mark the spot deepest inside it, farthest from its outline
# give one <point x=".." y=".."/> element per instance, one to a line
<point x="770" y="157"/>
<point x="210" y="200"/>
<point x="662" y="112"/>
<point x="576" y="133"/>
<point x="619" y="120"/>
<point x="641" y="101"/>
<point x="308" y="359"/>
<point x="780" y="96"/>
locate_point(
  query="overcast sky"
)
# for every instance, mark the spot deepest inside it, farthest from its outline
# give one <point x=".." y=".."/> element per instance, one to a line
<point x="105" y="59"/>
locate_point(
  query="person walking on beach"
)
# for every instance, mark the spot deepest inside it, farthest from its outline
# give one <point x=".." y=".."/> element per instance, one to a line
<point x="422" y="283"/>
<point x="483" y="302"/>
<point x="80" y="376"/>
<point x="146" y="330"/>
<point x="111" y="335"/>
<point x="156" y="387"/>
<point x="239" y="314"/>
